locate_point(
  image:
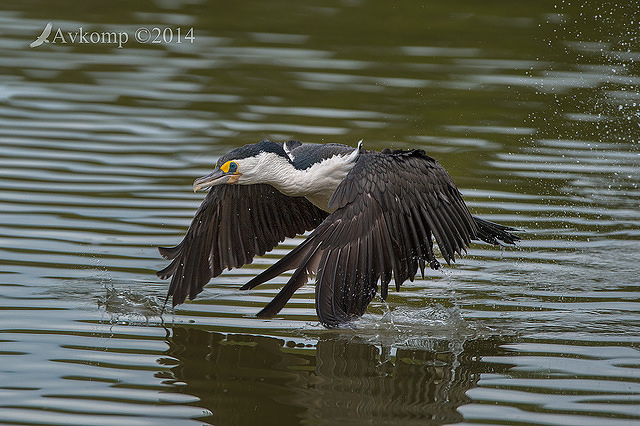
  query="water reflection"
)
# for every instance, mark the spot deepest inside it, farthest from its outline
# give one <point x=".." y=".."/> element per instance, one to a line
<point x="245" y="379"/>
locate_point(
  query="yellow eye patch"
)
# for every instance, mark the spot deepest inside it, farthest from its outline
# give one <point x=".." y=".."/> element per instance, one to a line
<point x="229" y="167"/>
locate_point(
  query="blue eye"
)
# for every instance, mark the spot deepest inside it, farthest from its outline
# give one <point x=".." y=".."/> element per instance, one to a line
<point x="233" y="166"/>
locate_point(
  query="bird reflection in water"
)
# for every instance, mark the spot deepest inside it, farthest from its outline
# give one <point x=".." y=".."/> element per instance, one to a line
<point x="249" y="379"/>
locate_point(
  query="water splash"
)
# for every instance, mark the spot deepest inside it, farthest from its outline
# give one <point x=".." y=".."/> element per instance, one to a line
<point x="128" y="306"/>
<point x="416" y="328"/>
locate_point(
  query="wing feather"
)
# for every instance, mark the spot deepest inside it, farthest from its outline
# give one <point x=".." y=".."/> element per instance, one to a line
<point x="387" y="212"/>
<point x="233" y="224"/>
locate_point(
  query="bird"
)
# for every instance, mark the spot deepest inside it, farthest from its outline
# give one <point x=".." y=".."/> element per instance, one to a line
<point x="373" y="216"/>
<point x="42" y="38"/>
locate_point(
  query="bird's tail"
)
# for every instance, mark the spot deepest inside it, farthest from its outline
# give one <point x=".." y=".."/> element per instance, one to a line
<point x="494" y="233"/>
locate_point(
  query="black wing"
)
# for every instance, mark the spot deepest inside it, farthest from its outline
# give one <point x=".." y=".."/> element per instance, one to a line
<point x="233" y="224"/>
<point x="387" y="210"/>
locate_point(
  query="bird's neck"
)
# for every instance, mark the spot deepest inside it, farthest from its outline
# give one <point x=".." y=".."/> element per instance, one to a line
<point x="316" y="183"/>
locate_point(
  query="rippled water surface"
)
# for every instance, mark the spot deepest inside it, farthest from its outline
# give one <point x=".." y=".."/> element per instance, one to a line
<point x="533" y="107"/>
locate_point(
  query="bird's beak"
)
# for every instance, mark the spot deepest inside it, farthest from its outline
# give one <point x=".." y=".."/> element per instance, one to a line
<point x="217" y="177"/>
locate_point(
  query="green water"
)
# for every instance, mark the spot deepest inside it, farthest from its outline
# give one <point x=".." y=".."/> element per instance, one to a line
<point x="533" y="107"/>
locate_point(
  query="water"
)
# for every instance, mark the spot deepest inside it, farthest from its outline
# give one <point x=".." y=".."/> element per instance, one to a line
<point x="533" y="108"/>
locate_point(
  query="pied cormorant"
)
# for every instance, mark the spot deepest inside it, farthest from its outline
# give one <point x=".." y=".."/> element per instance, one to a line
<point x="373" y="215"/>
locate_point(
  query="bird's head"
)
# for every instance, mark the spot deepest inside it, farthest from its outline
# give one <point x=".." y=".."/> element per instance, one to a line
<point x="244" y="165"/>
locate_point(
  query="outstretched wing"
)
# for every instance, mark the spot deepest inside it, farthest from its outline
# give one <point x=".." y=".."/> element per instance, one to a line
<point x="47" y="31"/>
<point x="388" y="208"/>
<point x="233" y="224"/>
